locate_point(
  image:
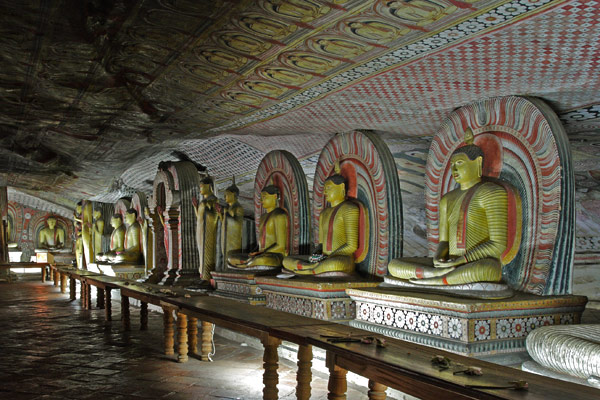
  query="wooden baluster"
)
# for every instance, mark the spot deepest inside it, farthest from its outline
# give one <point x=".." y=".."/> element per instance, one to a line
<point x="168" y="331"/>
<point x="270" y="364"/>
<point x="376" y="390"/>
<point x="107" y="304"/>
<point x="99" y="298"/>
<point x="143" y="316"/>
<point x="88" y="293"/>
<point x="72" y="288"/>
<point x="337" y="380"/>
<point x="63" y="283"/>
<point x="207" y="336"/>
<point x="193" y="335"/>
<point x="82" y="295"/>
<point x="43" y="273"/>
<point x="54" y="273"/>
<point x="125" y="312"/>
<point x="182" y="337"/>
<point x="304" y="374"/>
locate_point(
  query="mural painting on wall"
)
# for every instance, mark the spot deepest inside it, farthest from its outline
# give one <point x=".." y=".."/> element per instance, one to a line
<point x="30" y="229"/>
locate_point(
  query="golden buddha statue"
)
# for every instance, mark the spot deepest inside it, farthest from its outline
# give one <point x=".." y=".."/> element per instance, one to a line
<point x="232" y="221"/>
<point x="473" y="228"/>
<point x="338" y="234"/>
<point x="98" y="231"/>
<point x="206" y="227"/>
<point x="51" y="237"/>
<point x="78" y="246"/>
<point x="273" y="236"/>
<point x="117" y="239"/>
<point x="132" y="249"/>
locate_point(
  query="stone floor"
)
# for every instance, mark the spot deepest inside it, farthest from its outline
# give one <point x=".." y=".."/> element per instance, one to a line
<point x="53" y="349"/>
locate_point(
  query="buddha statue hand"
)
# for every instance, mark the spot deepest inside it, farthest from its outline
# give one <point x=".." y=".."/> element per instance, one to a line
<point x="317" y="255"/>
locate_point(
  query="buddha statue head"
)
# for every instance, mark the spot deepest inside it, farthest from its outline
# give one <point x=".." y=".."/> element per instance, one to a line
<point x="130" y="216"/>
<point x="206" y="186"/>
<point x="232" y="193"/>
<point x="269" y="197"/>
<point x="51" y="222"/>
<point x="335" y="187"/>
<point x="97" y="215"/>
<point x="116" y="221"/>
<point x="78" y="207"/>
<point x="467" y="162"/>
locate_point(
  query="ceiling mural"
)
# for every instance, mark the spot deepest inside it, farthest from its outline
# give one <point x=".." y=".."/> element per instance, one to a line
<point x="97" y="93"/>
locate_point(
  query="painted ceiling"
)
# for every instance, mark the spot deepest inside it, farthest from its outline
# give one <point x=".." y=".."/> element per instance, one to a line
<point x="96" y="93"/>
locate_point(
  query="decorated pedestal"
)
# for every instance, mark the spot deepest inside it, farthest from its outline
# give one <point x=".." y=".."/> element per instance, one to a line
<point x="371" y="182"/>
<point x="124" y="271"/>
<point x="525" y="146"/>
<point x="466" y="326"/>
<point x="240" y="285"/>
<point x="318" y="298"/>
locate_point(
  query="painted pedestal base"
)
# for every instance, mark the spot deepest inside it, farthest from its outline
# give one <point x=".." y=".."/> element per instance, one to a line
<point x="124" y="271"/>
<point x="241" y="285"/>
<point x="477" y="328"/>
<point x="323" y="299"/>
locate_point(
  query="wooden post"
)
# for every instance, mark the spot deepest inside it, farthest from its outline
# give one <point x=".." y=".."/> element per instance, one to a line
<point x="55" y="276"/>
<point x="63" y="283"/>
<point x="43" y="273"/>
<point x="144" y="316"/>
<point x="107" y="304"/>
<point x="270" y="364"/>
<point x="168" y="331"/>
<point x="376" y="390"/>
<point x="193" y="335"/>
<point x="207" y="336"/>
<point x="88" y="293"/>
<point x="125" y="312"/>
<point x="82" y="295"/>
<point x="99" y="298"/>
<point x="182" y="338"/>
<point x="72" y="288"/>
<point x="337" y="379"/>
<point x="304" y="374"/>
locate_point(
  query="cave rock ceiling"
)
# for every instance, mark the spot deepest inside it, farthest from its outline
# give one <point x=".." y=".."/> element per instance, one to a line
<point x="96" y="93"/>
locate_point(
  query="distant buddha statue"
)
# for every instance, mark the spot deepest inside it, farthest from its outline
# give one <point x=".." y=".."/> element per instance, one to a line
<point x="206" y="227"/>
<point x="473" y="226"/>
<point x="232" y="221"/>
<point x="132" y="249"/>
<point x="78" y="246"/>
<point x="338" y="234"/>
<point x="117" y="239"/>
<point x="272" y="236"/>
<point x="98" y="231"/>
<point x="51" y="237"/>
<point x="11" y="245"/>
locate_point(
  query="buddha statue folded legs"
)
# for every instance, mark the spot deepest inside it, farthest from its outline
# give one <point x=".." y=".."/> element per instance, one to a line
<point x="473" y="226"/>
<point x="273" y="237"/>
<point x="338" y="235"/>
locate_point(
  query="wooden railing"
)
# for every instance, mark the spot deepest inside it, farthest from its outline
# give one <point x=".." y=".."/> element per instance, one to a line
<point x="402" y="365"/>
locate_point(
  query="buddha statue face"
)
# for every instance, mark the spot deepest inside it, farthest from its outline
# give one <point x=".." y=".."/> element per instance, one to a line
<point x="464" y="170"/>
<point x="97" y="215"/>
<point x="205" y="189"/>
<point x="334" y="193"/>
<point x="130" y="218"/>
<point x="269" y="201"/>
<point x="230" y="197"/>
<point x="116" y="221"/>
<point x="78" y="209"/>
<point x="51" y="222"/>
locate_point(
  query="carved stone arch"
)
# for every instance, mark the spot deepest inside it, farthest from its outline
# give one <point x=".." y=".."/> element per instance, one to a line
<point x="536" y="160"/>
<point x="370" y="170"/>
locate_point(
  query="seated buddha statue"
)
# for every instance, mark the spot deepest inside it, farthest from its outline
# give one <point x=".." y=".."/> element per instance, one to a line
<point x="132" y="249"/>
<point x="51" y="237"/>
<point x="473" y="226"/>
<point x="117" y="239"/>
<point x="206" y="227"/>
<point x="338" y="235"/>
<point x="273" y="236"/>
<point x="8" y="225"/>
<point x="232" y="221"/>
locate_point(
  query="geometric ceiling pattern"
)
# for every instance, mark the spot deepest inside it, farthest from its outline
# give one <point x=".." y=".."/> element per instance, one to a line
<point x="96" y="94"/>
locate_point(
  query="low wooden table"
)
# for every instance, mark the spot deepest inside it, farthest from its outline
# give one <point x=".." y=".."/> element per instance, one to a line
<point x="104" y="285"/>
<point x="7" y="267"/>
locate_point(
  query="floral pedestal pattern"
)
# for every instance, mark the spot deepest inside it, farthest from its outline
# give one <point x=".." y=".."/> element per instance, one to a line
<point x="470" y="327"/>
